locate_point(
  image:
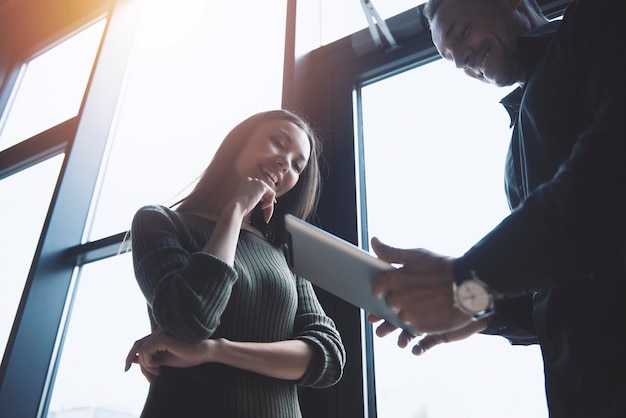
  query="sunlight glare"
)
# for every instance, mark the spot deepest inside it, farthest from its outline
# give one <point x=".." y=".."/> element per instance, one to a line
<point x="168" y="23"/>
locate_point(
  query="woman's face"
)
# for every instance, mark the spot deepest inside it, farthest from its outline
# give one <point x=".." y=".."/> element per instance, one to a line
<point x="276" y="152"/>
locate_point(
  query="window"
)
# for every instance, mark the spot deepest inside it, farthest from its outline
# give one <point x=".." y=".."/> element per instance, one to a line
<point x="197" y="68"/>
<point x="51" y="88"/>
<point x="434" y="165"/>
<point x="21" y="217"/>
<point x="344" y="17"/>
<point x="108" y="314"/>
<point x="176" y="107"/>
<point x="178" y="104"/>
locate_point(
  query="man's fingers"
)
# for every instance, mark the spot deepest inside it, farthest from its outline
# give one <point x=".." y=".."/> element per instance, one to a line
<point x="431" y="340"/>
<point x="385" y="252"/>
<point x="372" y="319"/>
<point x="401" y="256"/>
<point x="404" y="339"/>
<point x="386" y="283"/>
<point x="385" y="329"/>
<point x="425" y="344"/>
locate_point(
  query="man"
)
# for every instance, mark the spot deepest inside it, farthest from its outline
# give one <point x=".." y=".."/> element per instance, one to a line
<point x="554" y="271"/>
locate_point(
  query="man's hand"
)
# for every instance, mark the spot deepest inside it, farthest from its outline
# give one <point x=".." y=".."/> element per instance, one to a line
<point x="430" y="340"/>
<point x="420" y="290"/>
<point x="387" y="328"/>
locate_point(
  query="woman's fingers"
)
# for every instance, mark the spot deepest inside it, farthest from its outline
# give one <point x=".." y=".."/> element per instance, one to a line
<point x="149" y="376"/>
<point x="132" y="354"/>
<point x="139" y="356"/>
<point x="256" y="191"/>
<point x="268" y="206"/>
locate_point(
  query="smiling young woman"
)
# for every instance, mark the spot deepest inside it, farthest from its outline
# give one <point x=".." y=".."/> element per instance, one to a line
<point x="234" y="330"/>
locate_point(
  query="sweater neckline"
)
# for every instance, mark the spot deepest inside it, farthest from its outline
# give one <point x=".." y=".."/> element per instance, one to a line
<point x="244" y="233"/>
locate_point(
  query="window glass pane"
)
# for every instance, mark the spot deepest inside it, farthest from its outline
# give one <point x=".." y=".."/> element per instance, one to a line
<point x="22" y="215"/>
<point x="435" y="143"/>
<point x="198" y="68"/>
<point x="52" y="87"/>
<point x="340" y="18"/>
<point x="108" y="316"/>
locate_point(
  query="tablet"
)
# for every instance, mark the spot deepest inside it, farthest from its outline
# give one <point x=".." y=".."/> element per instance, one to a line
<point x="338" y="267"/>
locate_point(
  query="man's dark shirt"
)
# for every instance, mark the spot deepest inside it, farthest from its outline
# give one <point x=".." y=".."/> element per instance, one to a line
<point x="560" y="257"/>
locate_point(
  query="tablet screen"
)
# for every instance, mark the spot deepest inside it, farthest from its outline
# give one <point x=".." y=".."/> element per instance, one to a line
<point x="338" y="267"/>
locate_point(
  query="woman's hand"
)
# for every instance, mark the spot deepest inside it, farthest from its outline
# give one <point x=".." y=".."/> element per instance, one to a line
<point x="252" y="191"/>
<point x="223" y="241"/>
<point x="159" y="349"/>
<point x="280" y="359"/>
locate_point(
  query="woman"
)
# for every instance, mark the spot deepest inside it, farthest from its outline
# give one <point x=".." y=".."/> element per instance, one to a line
<point x="234" y="331"/>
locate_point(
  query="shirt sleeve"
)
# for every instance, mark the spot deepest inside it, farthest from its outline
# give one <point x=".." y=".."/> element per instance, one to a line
<point x="513" y="320"/>
<point x="186" y="291"/>
<point x="314" y="326"/>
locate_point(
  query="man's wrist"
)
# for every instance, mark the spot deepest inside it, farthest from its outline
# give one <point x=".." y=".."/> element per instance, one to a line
<point x="473" y="296"/>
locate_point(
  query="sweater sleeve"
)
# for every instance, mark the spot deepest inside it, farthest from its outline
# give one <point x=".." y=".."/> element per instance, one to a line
<point x="186" y="291"/>
<point x="314" y="326"/>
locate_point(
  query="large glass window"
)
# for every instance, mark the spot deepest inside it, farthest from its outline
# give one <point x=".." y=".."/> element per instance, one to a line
<point x="434" y="144"/>
<point x="108" y="314"/>
<point x="22" y="215"/>
<point x="198" y="68"/>
<point x="341" y="18"/>
<point x="51" y="88"/>
<point x="50" y="91"/>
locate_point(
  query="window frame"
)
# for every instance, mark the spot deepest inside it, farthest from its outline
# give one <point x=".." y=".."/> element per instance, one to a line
<point x="37" y="331"/>
<point x="324" y="84"/>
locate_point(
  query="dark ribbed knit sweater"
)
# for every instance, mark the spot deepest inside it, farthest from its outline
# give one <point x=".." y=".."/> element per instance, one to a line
<point x="193" y="296"/>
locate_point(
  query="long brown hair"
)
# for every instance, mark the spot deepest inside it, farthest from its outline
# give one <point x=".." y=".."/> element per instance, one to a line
<point x="300" y="201"/>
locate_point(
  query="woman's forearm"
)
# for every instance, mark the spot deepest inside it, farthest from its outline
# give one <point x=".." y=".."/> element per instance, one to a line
<point x="223" y="240"/>
<point x="282" y="359"/>
<point x="286" y="360"/>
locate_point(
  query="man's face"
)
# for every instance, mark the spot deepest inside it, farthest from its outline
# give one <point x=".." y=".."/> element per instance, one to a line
<point x="479" y="37"/>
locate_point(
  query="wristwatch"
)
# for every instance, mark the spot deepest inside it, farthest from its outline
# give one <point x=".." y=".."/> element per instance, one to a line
<point x="473" y="297"/>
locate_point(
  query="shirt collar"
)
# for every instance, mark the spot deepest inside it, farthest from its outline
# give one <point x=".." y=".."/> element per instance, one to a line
<point x="530" y="49"/>
<point x="532" y="45"/>
<point x="511" y="103"/>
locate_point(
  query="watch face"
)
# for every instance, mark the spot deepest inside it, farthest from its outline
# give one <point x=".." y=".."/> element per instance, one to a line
<point x="473" y="297"/>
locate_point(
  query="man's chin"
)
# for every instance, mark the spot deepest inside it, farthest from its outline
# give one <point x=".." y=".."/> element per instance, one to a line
<point x="503" y="83"/>
<point x="507" y="77"/>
